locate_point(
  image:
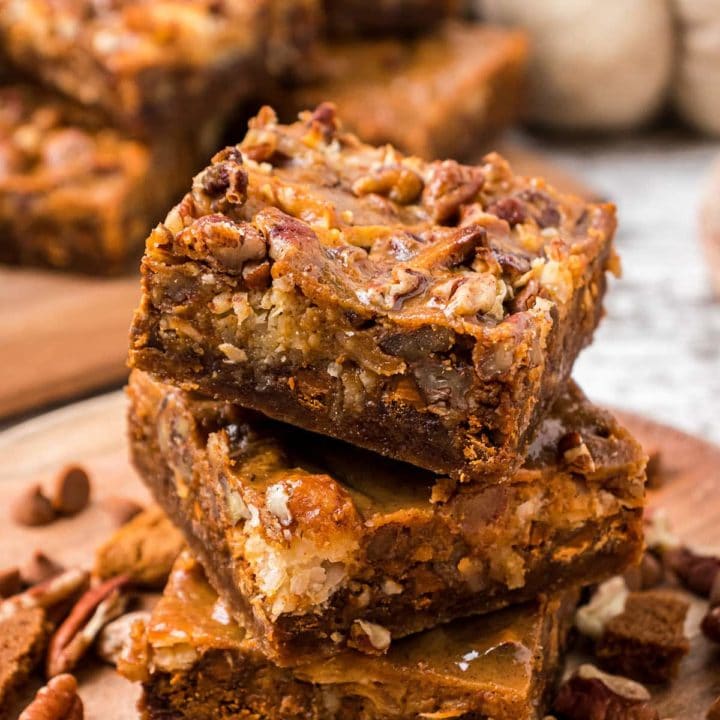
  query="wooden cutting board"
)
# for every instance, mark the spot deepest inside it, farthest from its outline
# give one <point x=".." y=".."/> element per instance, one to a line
<point x="93" y="433"/>
<point x="63" y="336"/>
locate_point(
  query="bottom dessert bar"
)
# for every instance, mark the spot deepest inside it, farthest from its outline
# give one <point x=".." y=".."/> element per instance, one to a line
<point x="197" y="664"/>
<point x="318" y="545"/>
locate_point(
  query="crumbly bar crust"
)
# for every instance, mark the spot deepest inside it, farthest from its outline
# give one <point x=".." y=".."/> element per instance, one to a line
<point x="150" y="64"/>
<point x="429" y="311"/>
<point x="318" y="545"/>
<point x="441" y="95"/>
<point x="198" y="664"/>
<point x="75" y="194"/>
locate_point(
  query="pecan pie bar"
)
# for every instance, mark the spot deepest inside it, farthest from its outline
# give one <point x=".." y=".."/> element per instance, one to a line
<point x="319" y="545"/>
<point x="196" y="663"/>
<point x="75" y="194"/>
<point x="149" y="63"/>
<point x="359" y="17"/>
<point x="441" y="95"/>
<point x="429" y="311"/>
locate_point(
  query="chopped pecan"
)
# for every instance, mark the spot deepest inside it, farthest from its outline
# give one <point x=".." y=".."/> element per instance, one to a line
<point x="370" y="637"/>
<point x="324" y="117"/>
<point x="575" y="454"/>
<point x="58" y="700"/>
<point x="91" y="613"/>
<point x="400" y="184"/>
<point x="590" y="694"/>
<point x="510" y="209"/>
<point x="696" y="572"/>
<point x="225" y="181"/>
<point x="448" y="186"/>
<point x="256" y="274"/>
<point x="542" y="208"/>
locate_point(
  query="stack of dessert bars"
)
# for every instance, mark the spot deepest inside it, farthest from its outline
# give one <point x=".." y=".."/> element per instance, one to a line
<point x="351" y="393"/>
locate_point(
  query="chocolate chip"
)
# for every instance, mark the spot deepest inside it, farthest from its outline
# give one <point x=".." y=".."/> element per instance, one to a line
<point x="10" y="582"/>
<point x="32" y="508"/>
<point x="39" y="568"/>
<point x="121" y="509"/>
<point x="71" y="492"/>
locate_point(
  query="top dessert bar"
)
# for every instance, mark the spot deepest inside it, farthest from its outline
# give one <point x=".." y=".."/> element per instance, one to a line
<point x="388" y="17"/>
<point x="75" y="194"/>
<point x="144" y="62"/>
<point x="429" y="311"/>
<point x="197" y="664"/>
<point x="440" y="95"/>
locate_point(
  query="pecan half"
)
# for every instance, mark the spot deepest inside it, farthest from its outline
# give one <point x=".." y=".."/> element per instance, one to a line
<point x="590" y="694"/>
<point x="696" y="572"/>
<point x="91" y="613"/>
<point x="47" y="594"/>
<point x="58" y="700"/>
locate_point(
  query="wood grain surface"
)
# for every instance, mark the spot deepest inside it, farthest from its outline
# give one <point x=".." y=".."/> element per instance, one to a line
<point x="61" y="335"/>
<point x="93" y="433"/>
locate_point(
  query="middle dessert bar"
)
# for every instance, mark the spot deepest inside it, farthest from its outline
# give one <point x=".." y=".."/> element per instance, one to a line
<point x="429" y="311"/>
<point x="318" y="545"/>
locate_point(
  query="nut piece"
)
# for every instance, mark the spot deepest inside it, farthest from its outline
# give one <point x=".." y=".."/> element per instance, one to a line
<point x="32" y="508"/>
<point x="91" y="613"/>
<point x="71" y="492"/>
<point x="121" y="509"/>
<point x="710" y="625"/>
<point x="575" y="454"/>
<point x="696" y="572"/>
<point x="39" y="569"/>
<point x="645" y="576"/>
<point x="607" y="602"/>
<point x="115" y="638"/>
<point x="58" y="700"/>
<point x="590" y="694"/>
<point x="10" y="582"/>
<point x="47" y="594"/>
<point x="370" y="637"/>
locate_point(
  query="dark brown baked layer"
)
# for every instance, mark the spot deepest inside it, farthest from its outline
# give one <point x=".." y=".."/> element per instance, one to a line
<point x="386" y="17"/>
<point x="441" y="95"/>
<point x="311" y="541"/>
<point x="197" y="665"/>
<point x="430" y="312"/>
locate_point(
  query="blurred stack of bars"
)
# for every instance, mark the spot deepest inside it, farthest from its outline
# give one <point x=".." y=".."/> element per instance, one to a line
<point x="107" y="107"/>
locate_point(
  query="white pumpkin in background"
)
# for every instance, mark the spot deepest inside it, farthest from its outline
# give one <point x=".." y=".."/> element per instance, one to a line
<point x="595" y="65"/>
<point x="697" y="80"/>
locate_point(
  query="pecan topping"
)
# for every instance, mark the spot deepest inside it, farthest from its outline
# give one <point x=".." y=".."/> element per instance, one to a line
<point x="115" y="638"/>
<point x="591" y="694"/>
<point x="324" y="118"/>
<point x="542" y="208"/>
<point x="448" y="186"/>
<point x="228" y="245"/>
<point x="58" y="700"/>
<point x="399" y="183"/>
<point x="256" y="274"/>
<point x="91" y="613"/>
<point x="510" y="209"/>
